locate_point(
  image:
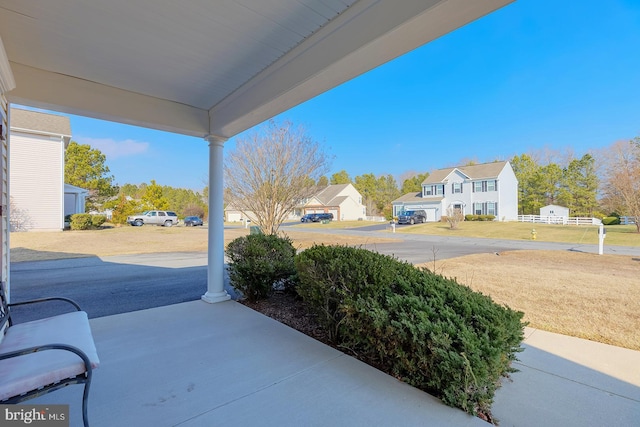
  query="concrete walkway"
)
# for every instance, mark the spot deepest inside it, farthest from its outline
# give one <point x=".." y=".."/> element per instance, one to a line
<point x="195" y="364"/>
<point x="567" y="381"/>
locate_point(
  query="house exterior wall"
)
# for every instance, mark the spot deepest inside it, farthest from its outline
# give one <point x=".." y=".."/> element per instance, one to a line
<point x="74" y="200"/>
<point x="508" y="197"/>
<point x="352" y="209"/>
<point x="346" y="205"/>
<point x="4" y="189"/>
<point x="497" y="195"/>
<point x="37" y="197"/>
<point x="554" y="210"/>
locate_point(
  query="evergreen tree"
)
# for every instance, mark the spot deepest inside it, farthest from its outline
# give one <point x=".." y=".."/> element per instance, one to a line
<point x="341" y="177"/>
<point x="153" y="197"/>
<point x="85" y="167"/>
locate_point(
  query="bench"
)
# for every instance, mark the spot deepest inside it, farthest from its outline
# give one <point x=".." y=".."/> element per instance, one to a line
<point x="45" y="355"/>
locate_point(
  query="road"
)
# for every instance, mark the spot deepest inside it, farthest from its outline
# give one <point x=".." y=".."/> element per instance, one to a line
<point x="118" y="284"/>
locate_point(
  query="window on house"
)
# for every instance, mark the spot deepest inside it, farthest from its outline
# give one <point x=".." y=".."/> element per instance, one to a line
<point x="432" y="190"/>
<point x="456" y="187"/>
<point x="486" y="208"/>
<point x="484" y="186"/>
<point x="491" y="208"/>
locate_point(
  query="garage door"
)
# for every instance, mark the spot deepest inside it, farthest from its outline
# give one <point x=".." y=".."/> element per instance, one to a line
<point x="431" y="215"/>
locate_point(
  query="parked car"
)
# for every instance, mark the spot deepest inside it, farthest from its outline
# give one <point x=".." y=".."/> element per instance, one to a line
<point x="309" y="218"/>
<point x="317" y="217"/>
<point x="164" y="218"/>
<point x="325" y="216"/>
<point x="412" y="217"/>
<point x="192" y="221"/>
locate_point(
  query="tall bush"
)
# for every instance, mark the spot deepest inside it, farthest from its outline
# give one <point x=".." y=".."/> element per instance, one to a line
<point x="81" y="221"/>
<point x="260" y="263"/>
<point x="430" y="331"/>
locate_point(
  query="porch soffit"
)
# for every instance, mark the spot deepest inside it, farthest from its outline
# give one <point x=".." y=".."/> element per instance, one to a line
<point x="202" y="67"/>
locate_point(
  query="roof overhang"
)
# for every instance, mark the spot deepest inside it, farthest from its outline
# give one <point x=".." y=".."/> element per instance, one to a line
<point x="134" y="62"/>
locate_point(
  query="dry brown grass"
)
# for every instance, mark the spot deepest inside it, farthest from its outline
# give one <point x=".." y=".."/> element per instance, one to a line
<point x="590" y="296"/>
<point x="583" y="295"/>
<point x="35" y="246"/>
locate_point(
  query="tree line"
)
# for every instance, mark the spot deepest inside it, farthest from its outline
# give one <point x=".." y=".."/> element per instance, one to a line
<point x="278" y="166"/>
<point x="86" y="167"/>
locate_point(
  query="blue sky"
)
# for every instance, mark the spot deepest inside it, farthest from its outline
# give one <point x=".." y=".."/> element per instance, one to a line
<point x="538" y="74"/>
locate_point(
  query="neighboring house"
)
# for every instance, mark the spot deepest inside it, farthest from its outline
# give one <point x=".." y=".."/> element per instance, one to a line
<point x="485" y="189"/>
<point x="554" y="210"/>
<point x="74" y="199"/>
<point x="343" y="201"/>
<point x="39" y="197"/>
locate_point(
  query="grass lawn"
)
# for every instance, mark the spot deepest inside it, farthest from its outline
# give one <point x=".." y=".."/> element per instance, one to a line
<point x="583" y="295"/>
<point x="596" y="297"/>
<point x="621" y="235"/>
<point x="337" y="225"/>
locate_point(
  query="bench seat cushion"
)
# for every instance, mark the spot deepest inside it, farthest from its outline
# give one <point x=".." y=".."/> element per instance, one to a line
<point x="21" y="374"/>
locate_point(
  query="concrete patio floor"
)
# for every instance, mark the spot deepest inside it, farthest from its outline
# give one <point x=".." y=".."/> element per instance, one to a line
<point x="195" y="364"/>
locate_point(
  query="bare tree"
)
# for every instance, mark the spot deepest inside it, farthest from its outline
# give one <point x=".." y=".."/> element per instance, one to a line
<point x="454" y="217"/>
<point x="272" y="171"/>
<point x="622" y="179"/>
<point x="19" y="219"/>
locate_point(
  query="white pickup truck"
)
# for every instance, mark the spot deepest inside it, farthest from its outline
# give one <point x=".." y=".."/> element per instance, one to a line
<point x="164" y="218"/>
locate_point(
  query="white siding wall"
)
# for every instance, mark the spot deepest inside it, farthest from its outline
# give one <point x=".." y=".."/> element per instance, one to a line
<point x="508" y="203"/>
<point x="37" y="196"/>
<point x="352" y="208"/>
<point x="4" y="192"/>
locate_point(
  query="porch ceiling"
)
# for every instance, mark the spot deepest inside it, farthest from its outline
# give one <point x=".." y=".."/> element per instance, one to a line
<point x="202" y="67"/>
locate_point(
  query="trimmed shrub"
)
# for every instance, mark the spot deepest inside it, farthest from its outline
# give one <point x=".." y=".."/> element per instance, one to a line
<point x="260" y="263"/>
<point x="611" y="220"/>
<point x="81" y="221"/>
<point x="98" y="220"/>
<point x="85" y="221"/>
<point x="429" y="331"/>
<point x="472" y="217"/>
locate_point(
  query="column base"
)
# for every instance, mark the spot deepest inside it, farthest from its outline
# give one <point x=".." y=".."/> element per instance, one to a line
<point x="214" y="297"/>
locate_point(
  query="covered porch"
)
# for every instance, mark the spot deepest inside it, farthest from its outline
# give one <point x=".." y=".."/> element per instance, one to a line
<point x="207" y="69"/>
<point x="193" y="364"/>
<point x="197" y="365"/>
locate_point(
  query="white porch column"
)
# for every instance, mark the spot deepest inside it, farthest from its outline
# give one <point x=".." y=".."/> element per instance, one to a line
<point x="215" y="255"/>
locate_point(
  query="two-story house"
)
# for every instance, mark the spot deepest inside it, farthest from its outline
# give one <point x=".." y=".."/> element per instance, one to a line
<point x="484" y="189"/>
<point x="342" y="200"/>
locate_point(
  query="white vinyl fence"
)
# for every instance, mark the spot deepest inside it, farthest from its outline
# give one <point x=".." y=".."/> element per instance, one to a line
<point x="564" y="220"/>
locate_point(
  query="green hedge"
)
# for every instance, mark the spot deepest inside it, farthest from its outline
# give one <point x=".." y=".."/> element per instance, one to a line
<point x="85" y="221"/>
<point x="260" y="263"/>
<point x="470" y="217"/>
<point x="429" y="331"/>
<point x="611" y="220"/>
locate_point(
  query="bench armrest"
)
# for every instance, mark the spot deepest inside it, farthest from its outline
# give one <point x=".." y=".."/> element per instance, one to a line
<point x="29" y="350"/>
<point x="33" y="301"/>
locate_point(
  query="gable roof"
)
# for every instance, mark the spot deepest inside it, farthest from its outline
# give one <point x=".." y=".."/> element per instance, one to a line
<point x="416" y="197"/>
<point x="481" y="171"/>
<point x="38" y="122"/>
<point x="327" y="195"/>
